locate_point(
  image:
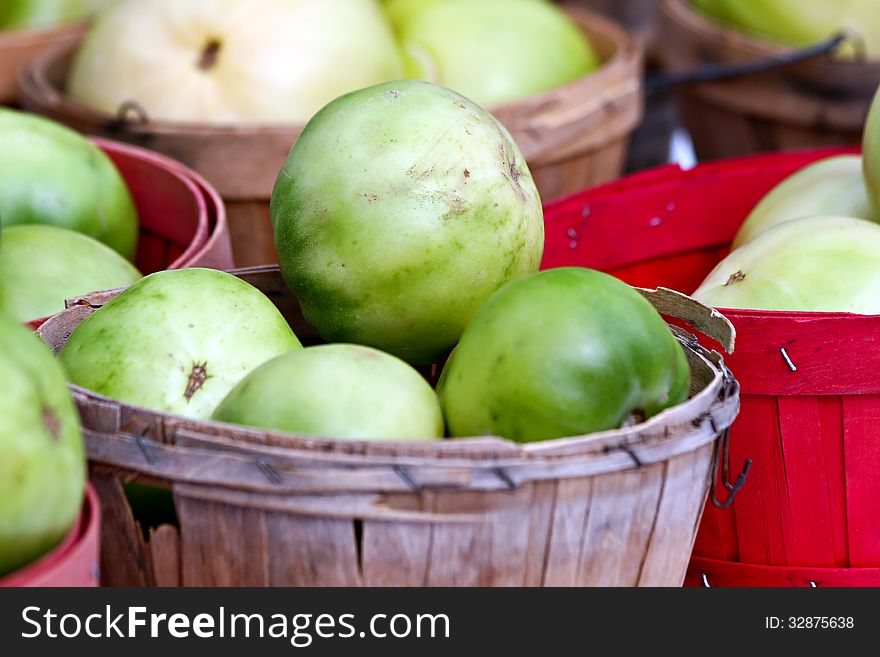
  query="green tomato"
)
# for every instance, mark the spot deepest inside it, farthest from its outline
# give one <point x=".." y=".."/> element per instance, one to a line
<point x="177" y="341"/>
<point x="42" y="467"/>
<point x="831" y="187"/>
<point x="493" y="51"/>
<point x="52" y="175"/>
<point x="562" y="353"/>
<point x="400" y="210"/>
<point x="337" y="391"/>
<point x="820" y="264"/>
<point x="41" y="266"/>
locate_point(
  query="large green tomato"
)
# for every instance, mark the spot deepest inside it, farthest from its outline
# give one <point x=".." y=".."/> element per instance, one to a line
<point x="17" y="14"/>
<point x="400" y="210"/>
<point x="799" y="23"/>
<point x="493" y="51"/>
<point x="337" y="391"/>
<point x="52" y="175"/>
<point x="823" y="264"/>
<point x="562" y="353"/>
<point x="41" y="266"/>
<point x="177" y="341"/>
<point x="43" y="466"/>
<point x="231" y="61"/>
<point x="831" y="187"/>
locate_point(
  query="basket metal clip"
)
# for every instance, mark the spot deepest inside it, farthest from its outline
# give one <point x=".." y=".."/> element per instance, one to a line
<point x="721" y="470"/>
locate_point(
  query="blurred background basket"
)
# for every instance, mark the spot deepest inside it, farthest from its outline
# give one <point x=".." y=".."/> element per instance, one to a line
<point x="572" y="137"/>
<point x="258" y="508"/>
<point x="17" y="47"/>
<point x="821" y="102"/>
<point x="810" y="399"/>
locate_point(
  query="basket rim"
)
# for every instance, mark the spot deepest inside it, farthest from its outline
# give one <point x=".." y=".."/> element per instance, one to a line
<point x="181" y="173"/>
<point x="696" y="413"/>
<point x="703" y="569"/>
<point x="34" y="84"/>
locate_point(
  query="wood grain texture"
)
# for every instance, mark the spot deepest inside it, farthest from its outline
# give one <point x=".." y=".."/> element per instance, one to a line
<point x="124" y="555"/>
<point x="251" y="233"/>
<point x="165" y="556"/>
<point x="397" y="553"/>
<point x="311" y="551"/>
<point x="621" y="522"/>
<point x="222" y="545"/>
<point x="805" y="425"/>
<point x="678" y="513"/>
<point x="570" y="515"/>
<point x="761" y="510"/>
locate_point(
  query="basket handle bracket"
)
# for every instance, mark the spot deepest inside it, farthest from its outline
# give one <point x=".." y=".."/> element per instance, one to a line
<point x="721" y="471"/>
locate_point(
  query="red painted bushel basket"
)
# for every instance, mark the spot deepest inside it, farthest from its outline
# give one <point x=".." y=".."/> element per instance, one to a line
<point x="183" y="220"/>
<point x="810" y="417"/>
<point x="74" y="562"/>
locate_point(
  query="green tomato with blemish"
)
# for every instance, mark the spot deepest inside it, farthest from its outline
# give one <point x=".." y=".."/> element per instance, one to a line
<point x="400" y="210"/>
<point x="43" y="463"/>
<point x="177" y="341"/>
<point x="814" y="264"/>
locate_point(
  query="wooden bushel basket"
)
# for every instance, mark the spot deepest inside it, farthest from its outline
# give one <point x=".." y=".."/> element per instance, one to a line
<point x="259" y="508"/>
<point x="810" y="413"/>
<point x="820" y="102"/>
<point x="572" y="137"/>
<point x="17" y="47"/>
